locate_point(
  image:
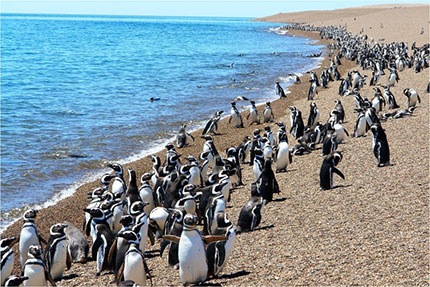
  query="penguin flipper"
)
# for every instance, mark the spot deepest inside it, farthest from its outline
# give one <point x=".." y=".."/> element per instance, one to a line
<point x="173" y="238"/>
<point x="112" y="252"/>
<point x="338" y="172"/>
<point x="346" y="132"/>
<point x="69" y="260"/>
<point x="120" y="273"/>
<point x="41" y="239"/>
<point x="419" y="100"/>
<point x="191" y="137"/>
<point x="87" y="227"/>
<point x="211" y="238"/>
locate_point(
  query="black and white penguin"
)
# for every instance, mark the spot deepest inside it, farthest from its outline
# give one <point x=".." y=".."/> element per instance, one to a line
<point x="181" y="138"/>
<point x="29" y="235"/>
<point x="390" y="99"/>
<point x="118" y="186"/>
<point x="267" y="148"/>
<point x="13" y="281"/>
<point x="269" y="135"/>
<point x="282" y="130"/>
<point x="77" y="246"/>
<point x="381" y="149"/>
<point x="250" y="214"/>
<point x="279" y="90"/>
<point x="378" y="101"/>
<point x="145" y="192"/>
<point x="341" y="133"/>
<point x="312" y="90"/>
<point x="258" y="163"/>
<point x="329" y="143"/>
<point x="212" y="124"/>
<point x="314" y="115"/>
<point x="204" y="166"/>
<point x="360" y="128"/>
<point x="253" y="115"/>
<point x="393" y="77"/>
<point x="267" y="183"/>
<point x="57" y="257"/>
<point x="255" y="143"/>
<point x="233" y="159"/>
<point x="141" y="223"/>
<point x="192" y="170"/>
<point x="7" y="257"/>
<point x="341" y="112"/>
<point x="297" y="126"/>
<point x="412" y="96"/>
<point x="193" y="266"/>
<point x="268" y="115"/>
<point x="328" y="167"/>
<point x="243" y="149"/>
<point x="132" y="194"/>
<point x="295" y="77"/>
<point x="35" y="269"/>
<point x="371" y="116"/>
<point x="282" y="156"/>
<point x="235" y="116"/>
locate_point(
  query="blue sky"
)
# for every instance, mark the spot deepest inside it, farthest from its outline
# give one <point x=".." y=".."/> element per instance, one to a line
<point x="234" y="8"/>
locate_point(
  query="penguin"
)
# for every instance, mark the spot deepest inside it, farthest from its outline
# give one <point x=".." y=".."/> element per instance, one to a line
<point x="29" y="235"/>
<point x="312" y="90"/>
<point x="132" y="193"/>
<point x="282" y="156"/>
<point x="378" y="101"/>
<point x="212" y="125"/>
<point x="267" y="183"/>
<point x="297" y="126"/>
<point x="258" y="162"/>
<point x="282" y="130"/>
<point x="233" y="160"/>
<point x="14" y="280"/>
<point x="360" y="128"/>
<point x="193" y="267"/>
<point x="279" y="91"/>
<point x="7" y="257"/>
<point x="267" y="149"/>
<point x="381" y="149"/>
<point x="341" y="133"/>
<point x="412" y="96"/>
<point x="134" y="266"/>
<point x="118" y="186"/>
<point x="156" y="164"/>
<point x="329" y="143"/>
<point x="219" y="252"/>
<point x="255" y="143"/>
<point x="35" y="269"/>
<point x="253" y="115"/>
<point x="243" y="149"/>
<point x="341" y="112"/>
<point x="236" y="117"/>
<point x="250" y="214"/>
<point x="268" y="115"/>
<point x="207" y="148"/>
<point x="140" y="223"/>
<point x="194" y="176"/>
<point x="145" y="193"/>
<point x="57" y="257"/>
<point x="390" y="99"/>
<point x="328" y="167"/>
<point x="393" y="77"/>
<point x="103" y="241"/>
<point x="269" y="135"/>
<point x="204" y="166"/>
<point x="295" y="77"/>
<point x="78" y="247"/>
<point x="371" y="116"/>
<point x="314" y="115"/>
<point x="181" y="138"/>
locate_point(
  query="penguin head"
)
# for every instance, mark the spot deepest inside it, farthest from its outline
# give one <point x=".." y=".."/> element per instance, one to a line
<point x="292" y="108"/>
<point x="57" y="229"/>
<point x="231" y="151"/>
<point x="376" y="128"/>
<point x="268" y="104"/>
<point x="136" y="207"/>
<point x="15" y="280"/>
<point x="158" y="217"/>
<point x="105" y="179"/>
<point x="145" y="177"/>
<point x="267" y="128"/>
<point x="222" y="220"/>
<point x="254" y="190"/>
<point x="126" y="220"/>
<point x="95" y="212"/>
<point x="117" y="168"/>
<point x="189" y="188"/>
<point x="204" y="155"/>
<point x="30" y="214"/>
<point x="170" y="147"/>
<point x="207" y="137"/>
<point x="233" y="104"/>
<point x="8" y="242"/>
<point x="191" y="158"/>
<point x="280" y="124"/>
<point x="131" y="175"/>
<point x="130" y="236"/>
<point x="35" y="251"/>
<point x="256" y="132"/>
<point x="190" y="221"/>
<point x="337" y="157"/>
<point x="252" y="103"/>
<point x="406" y="92"/>
<point x="155" y="160"/>
<point x="108" y="196"/>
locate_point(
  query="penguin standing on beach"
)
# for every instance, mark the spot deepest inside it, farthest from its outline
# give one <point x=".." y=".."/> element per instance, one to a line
<point x="253" y="114"/>
<point x="236" y="117"/>
<point x="282" y="130"/>
<point x="267" y="183"/>
<point x="412" y="96"/>
<point x="250" y="214"/>
<point x="145" y="192"/>
<point x="7" y="257"/>
<point x="35" y="269"/>
<point x="360" y="128"/>
<point x="297" y="126"/>
<point x="282" y="156"/>
<point x="118" y="187"/>
<point x="268" y="115"/>
<point x="29" y="235"/>
<point x="380" y="145"/>
<point x="314" y="115"/>
<point x="255" y="143"/>
<point x="243" y="148"/>
<point x="279" y="91"/>
<point x="312" y="90"/>
<point x="212" y="125"/>
<point x="132" y="193"/>
<point x="390" y="99"/>
<point x="328" y="167"/>
<point x="57" y="257"/>
<point x="182" y="137"/>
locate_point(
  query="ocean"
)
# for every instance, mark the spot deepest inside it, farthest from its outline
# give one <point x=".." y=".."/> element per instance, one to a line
<point x="75" y="90"/>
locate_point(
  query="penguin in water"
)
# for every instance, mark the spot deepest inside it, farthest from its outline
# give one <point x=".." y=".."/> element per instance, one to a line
<point x="182" y="137"/>
<point x="253" y="115"/>
<point x="212" y="124"/>
<point x="328" y="167"/>
<point x="267" y="183"/>
<point x="35" y="269"/>
<point x="29" y="235"/>
<point x="134" y="266"/>
<point x="236" y="117"/>
<point x="381" y="149"/>
<point x="282" y="155"/>
<point x="250" y="214"/>
<point x="193" y="266"/>
<point x="279" y="91"/>
<point x="14" y="280"/>
<point x="57" y="257"/>
<point x="268" y="115"/>
<point x="7" y="257"/>
<point x="412" y="96"/>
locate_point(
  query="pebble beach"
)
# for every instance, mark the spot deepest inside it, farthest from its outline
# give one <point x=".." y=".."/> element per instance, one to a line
<point x="371" y="229"/>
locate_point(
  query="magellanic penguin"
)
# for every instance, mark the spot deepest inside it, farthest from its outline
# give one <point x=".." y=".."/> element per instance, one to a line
<point x="390" y="99"/>
<point x="145" y="192"/>
<point x="314" y="115"/>
<point x="282" y="155"/>
<point x="360" y="128"/>
<point x="132" y="194"/>
<point x="253" y="115"/>
<point x="35" y="269"/>
<point x="412" y="96"/>
<point x="134" y="266"/>
<point x="380" y="145"/>
<point x="14" y="281"/>
<point x="243" y="149"/>
<point x="312" y="89"/>
<point x="29" y="235"/>
<point x="267" y="183"/>
<point x="268" y="115"/>
<point x="328" y="167"/>
<point x="140" y="222"/>
<point x="236" y="117"/>
<point x="279" y="90"/>
<point x="7" y="257"/>
<point x="258" y="162"/>
<point x="118" y="187"/>
<point x="212" y="124"/>
<point x="250" y="214"/>
<point x="57" y="257"/>
<point x="181" y="138"/>
<point x="193" y="266"/>
<point x="297" y="126"/>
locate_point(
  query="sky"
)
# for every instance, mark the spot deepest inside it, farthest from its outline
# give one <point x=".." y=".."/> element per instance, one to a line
<point x="234" y="8"/>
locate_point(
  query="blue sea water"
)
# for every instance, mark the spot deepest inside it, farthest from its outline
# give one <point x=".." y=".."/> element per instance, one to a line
<point x="79" y="85"/>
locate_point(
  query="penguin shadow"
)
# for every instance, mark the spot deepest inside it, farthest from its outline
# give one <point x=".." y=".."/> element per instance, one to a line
<point x="152" y="253"/>
<point x="264" y="227"/>
<point x="70" y="276"/>
<point x="289" y="170"/>
<point x="341" y="185"/>
<point x="279" y="199"/>
<point x="235" y="274"/>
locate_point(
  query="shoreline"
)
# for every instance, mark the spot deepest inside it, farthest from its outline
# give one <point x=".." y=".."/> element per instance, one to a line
<point x="158" y="145"/>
